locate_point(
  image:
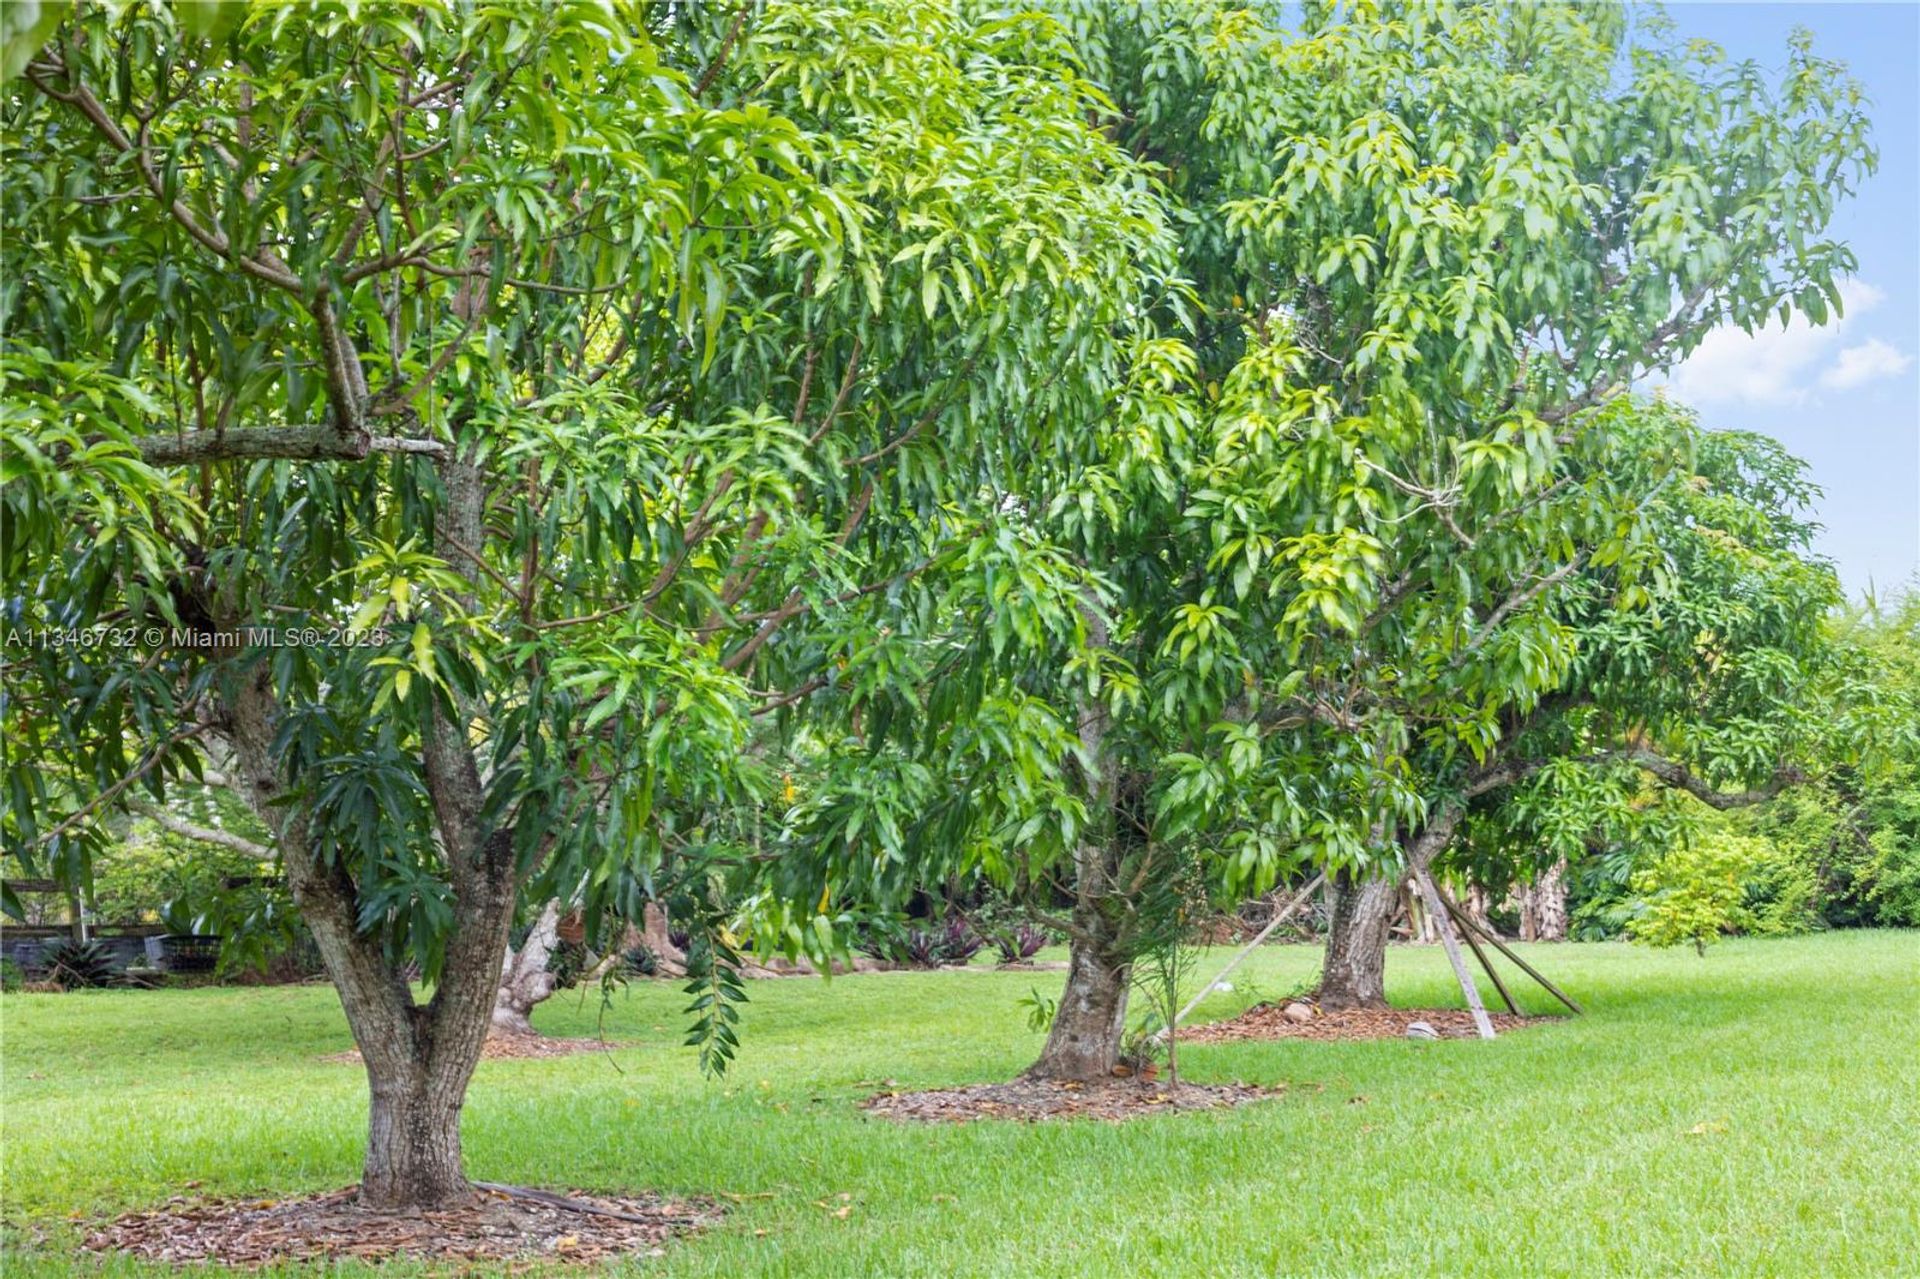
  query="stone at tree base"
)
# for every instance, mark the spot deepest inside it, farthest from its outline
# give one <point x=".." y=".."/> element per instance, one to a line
<point x="1420" y="1030"/>
<point x="1298" y="1012"/>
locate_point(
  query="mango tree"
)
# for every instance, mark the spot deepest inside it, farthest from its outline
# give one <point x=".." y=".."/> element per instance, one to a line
<point x="1429" y="248"/>
<point x="478" y="420"/>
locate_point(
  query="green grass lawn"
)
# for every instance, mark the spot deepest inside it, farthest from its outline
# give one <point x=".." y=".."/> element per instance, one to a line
<point x="1749" y="1113"/>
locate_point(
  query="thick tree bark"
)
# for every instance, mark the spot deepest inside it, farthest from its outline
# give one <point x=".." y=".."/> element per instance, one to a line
<point x="413" y="1140"/>
<point x="1090" y="1021"/>
<point x="1543" y="905"/>
<point x="525" y="976"/>
<point x="419" y="1057"/>
<point x="1354" y="971"/>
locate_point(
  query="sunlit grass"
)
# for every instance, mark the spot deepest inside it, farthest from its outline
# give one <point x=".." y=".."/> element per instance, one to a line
<point x="1752" y="1112"/>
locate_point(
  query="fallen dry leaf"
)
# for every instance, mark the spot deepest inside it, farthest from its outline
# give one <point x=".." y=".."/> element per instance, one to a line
<point x="509" y="1230"/>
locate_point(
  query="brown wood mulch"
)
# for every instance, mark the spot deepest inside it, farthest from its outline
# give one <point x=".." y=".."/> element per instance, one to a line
<point x="511" y="1048"/>
<point x="521" y="1230"/>
<point x="1030" y="1100"/>
<point x="1269" y="1021"/>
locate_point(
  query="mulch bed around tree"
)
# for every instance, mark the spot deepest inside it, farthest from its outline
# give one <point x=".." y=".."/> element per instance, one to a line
<point x="520" y="1230"/>
<point x="1269" y="1021"/>
<point x="1036" y="1099"/>
<point x="511" y="1048"/>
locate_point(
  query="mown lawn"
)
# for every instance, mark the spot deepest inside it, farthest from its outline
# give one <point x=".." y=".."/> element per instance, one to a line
<point x="1752" y="1112"/>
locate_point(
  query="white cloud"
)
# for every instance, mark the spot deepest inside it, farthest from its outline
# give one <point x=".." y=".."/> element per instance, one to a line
<point x="1870" y="360"/>
<point x="1778" y="365"/>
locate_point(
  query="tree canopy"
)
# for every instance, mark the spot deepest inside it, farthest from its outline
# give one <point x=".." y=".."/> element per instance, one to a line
<point x="516" y="442"/>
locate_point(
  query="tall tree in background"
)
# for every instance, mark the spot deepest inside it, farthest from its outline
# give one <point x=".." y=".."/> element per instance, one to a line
<point x="592" y="405"/>
<point x="1430" y="245"/>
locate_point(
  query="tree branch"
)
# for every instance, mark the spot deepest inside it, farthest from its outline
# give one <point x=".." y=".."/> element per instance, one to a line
<point x="205" y="834"/>
<point x="1679" y="778"/>
<point x="712" y="72"/>
<point x="317" y="442"/>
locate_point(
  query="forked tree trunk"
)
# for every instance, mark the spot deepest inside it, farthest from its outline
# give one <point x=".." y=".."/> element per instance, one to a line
<point x="526" y="977"/>
<point x="419" y="1057"/>
<point x="1354" y="971"/>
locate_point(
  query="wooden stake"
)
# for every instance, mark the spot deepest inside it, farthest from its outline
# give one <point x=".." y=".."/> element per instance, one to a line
<point x="1529" y="969"/>
<point x="1506" y="996"/>
<point x="1279" y="917"/>
<point x="1431" y="894"/>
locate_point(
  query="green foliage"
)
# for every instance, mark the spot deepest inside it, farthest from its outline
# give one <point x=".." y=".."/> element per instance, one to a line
<point x="1378" y="534"/>
<point x="25" y="27"/>
<point x="901" y="443"/>
<point x="1840" y="850"/>
<point x="666" y="386"/>
<point x="1856" y="830"/>
<point x="714" y="981"/>
<point x="138" y="875"/>
<point x="1693" y="894"/>
<point x="78" y="965"/>
<point x="1039" y="1009"/>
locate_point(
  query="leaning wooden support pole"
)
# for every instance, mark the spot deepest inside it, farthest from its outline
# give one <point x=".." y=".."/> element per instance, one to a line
<point x="1493" y="974"/>
<point x="1431" y="895"/>
<point x="1529" y="969"/>
<point x="1279" y="917"/>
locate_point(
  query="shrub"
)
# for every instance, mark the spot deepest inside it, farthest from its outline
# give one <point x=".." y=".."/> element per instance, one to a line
<point x="1694" y="893"/>
<point x="79" y="965"/>
<point x="958" y="942"/>
<point x="1017" y="944"/>
<point x="932" y="946"/>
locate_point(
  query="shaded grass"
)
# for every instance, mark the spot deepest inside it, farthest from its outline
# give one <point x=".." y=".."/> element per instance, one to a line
<point x="1753" y="1112"/>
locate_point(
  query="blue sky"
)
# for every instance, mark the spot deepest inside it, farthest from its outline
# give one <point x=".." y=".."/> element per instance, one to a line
<point x="1845" y="397"/>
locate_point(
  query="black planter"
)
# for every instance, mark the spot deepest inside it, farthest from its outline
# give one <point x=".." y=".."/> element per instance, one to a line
<point x="189" y="953"/>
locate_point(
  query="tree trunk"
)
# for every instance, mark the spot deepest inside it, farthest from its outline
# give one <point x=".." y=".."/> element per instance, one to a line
<point x="1420" y="925"/>
<point x="413" y="1138"/>
<point x="419" y="1057"/>
<point x="1354" y="972"/>
<point x="525" y="978"/>
<point x="1474" y="903"/>
<point x="1543" y="905"/>
<point x="1088" y="1024"/>
<point x="1090" y="1021"/>
<point x="668" y="959"/>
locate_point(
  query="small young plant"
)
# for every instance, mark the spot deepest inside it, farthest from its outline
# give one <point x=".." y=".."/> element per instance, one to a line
<point x="1039" y="1010"/>
<point x="1169" y="916"/>
<point x="1143" y="1044"/>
